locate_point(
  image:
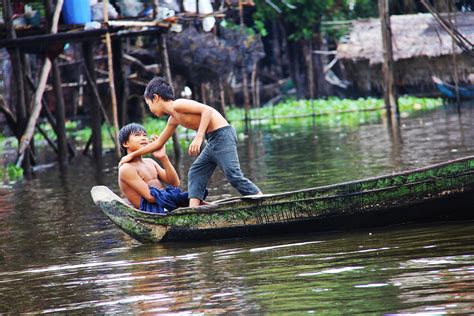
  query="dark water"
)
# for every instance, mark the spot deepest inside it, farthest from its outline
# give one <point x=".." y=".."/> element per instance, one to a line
<point x="58" y="253"/>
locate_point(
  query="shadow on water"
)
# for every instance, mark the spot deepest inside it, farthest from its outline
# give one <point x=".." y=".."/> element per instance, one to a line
<point x="59" y="253"/>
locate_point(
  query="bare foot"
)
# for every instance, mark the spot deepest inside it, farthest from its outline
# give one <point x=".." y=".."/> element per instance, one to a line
<point x="207" y="203"/>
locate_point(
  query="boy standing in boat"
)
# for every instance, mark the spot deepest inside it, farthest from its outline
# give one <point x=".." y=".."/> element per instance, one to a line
<point x="221" y="148"/>
<point x="140" y="178"/>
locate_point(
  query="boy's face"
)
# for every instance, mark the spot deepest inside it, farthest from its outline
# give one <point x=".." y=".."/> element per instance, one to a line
<point x="155" y="105"/>
<point x="135" y="141"/>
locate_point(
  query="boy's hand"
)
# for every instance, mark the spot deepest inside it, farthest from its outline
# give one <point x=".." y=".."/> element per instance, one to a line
<point x="125" y="159"/>
<point x="195" y="146"/>
<point x="160" y="153"/>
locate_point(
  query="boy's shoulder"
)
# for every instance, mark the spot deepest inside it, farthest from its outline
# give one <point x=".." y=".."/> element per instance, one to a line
<point x="185" y="102"/>
<point x="127" y="167"/>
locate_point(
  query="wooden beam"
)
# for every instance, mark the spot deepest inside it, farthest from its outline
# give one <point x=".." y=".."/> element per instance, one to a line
<point x="44" y="40"/>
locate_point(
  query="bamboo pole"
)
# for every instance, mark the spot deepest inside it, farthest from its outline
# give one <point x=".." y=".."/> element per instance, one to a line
<point x="113" y="95"/>
<point x="390" y="96"/>
<point x="37" y="104"/>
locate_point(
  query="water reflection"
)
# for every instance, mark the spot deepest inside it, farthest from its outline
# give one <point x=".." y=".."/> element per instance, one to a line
<point x="59" y="253"/>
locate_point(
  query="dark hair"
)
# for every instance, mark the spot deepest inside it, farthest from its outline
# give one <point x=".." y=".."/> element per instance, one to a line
<point x="160" y="87"/>
<point x="125" y="133"/>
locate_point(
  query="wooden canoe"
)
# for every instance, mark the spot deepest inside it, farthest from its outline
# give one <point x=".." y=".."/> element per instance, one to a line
<point x="436" y="192"/>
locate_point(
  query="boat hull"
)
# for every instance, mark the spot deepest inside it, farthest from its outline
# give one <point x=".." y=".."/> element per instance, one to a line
<point x="433" y="193"/>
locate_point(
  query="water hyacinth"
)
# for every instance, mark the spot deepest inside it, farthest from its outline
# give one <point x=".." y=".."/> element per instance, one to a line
<point x="291" y="108"/>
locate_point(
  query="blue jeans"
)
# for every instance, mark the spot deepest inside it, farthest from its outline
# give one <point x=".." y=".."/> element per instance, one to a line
<point x="221" y="150"/>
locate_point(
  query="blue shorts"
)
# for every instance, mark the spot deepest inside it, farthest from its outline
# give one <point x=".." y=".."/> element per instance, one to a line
<point x="167" y="200"/>
<point x="221" y="150"/>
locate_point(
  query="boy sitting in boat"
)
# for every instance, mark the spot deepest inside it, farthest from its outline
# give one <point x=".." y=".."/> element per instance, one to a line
<point x="221" y="148"/>
<point x="140" y="179"/>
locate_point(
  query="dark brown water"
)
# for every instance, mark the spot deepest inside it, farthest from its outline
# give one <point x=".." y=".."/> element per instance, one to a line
<point x="58" y="253"/>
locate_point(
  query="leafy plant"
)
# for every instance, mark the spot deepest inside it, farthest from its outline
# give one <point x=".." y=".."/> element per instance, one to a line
<point x="11" y="173"/>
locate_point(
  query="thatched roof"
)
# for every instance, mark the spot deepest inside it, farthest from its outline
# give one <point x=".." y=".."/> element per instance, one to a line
<point x="414" y="35"/>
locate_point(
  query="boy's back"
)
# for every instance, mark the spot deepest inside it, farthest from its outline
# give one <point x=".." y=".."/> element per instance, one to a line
<point x="185" y="113"/>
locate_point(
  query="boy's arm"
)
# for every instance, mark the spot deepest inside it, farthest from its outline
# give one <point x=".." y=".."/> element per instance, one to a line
<point x="168" y="173"/>
<point x="193" y="107"/>
<point x="130" y="176"/>
<point x="154" y="145"/>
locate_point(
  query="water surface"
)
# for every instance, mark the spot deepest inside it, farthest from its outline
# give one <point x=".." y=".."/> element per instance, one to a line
<point x="58" y="253"/>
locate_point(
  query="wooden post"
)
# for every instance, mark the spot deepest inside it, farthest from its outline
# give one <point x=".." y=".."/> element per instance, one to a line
<point x="60" y="116"/>
<point x="455" y="63"/>
<point x="245" y="88"/>
<point x="390" y="96"/>
<point x="254" y="86"/>
<point x="166" y="65"/>
<point x="113" y="95"/>
<point x="308" y="51"/>
<point x="203" y="93"/>
<point x="120" y="81"/>
<point x="93" y="103"/>
<point x="222" y="97"/>
<point x="38" y="97"/>
<point x="95" y="92"/>
<point x="17" y="70"/>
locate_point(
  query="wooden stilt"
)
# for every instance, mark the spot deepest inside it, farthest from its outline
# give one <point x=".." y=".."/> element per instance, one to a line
<point x="390" y="95"/>
<point x="113" y="95"/>
<point x="254" y="86"/>
<point x="95" y="92"/>
<point x="166" y="65"/>
<point x="28" y="134"/>
<point x="17" y="69"/>
<point x="60" y="117"/>
<point x="9" y="115"/>
<point x="93" y="103"/>
<point x="120" y="81"/>
<point x="87" y="146"/>
<point x="203" y="93"/>
<point x="308" y="52"/>
<point x="455" y="63"/>
<point x="48" y="140"/>
<point x="222" y="97"/>
<point x="245" y="88"/>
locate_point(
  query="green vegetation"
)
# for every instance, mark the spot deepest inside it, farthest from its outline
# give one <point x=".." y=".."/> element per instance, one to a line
<point x="10" y="173"/>
<point x="292" y="108"/>
<point x="332" y="112"/>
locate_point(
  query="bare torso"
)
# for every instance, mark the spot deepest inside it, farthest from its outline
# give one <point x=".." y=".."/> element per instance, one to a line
<point x="192" y="121"/>
<point x="147" y="171"/>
